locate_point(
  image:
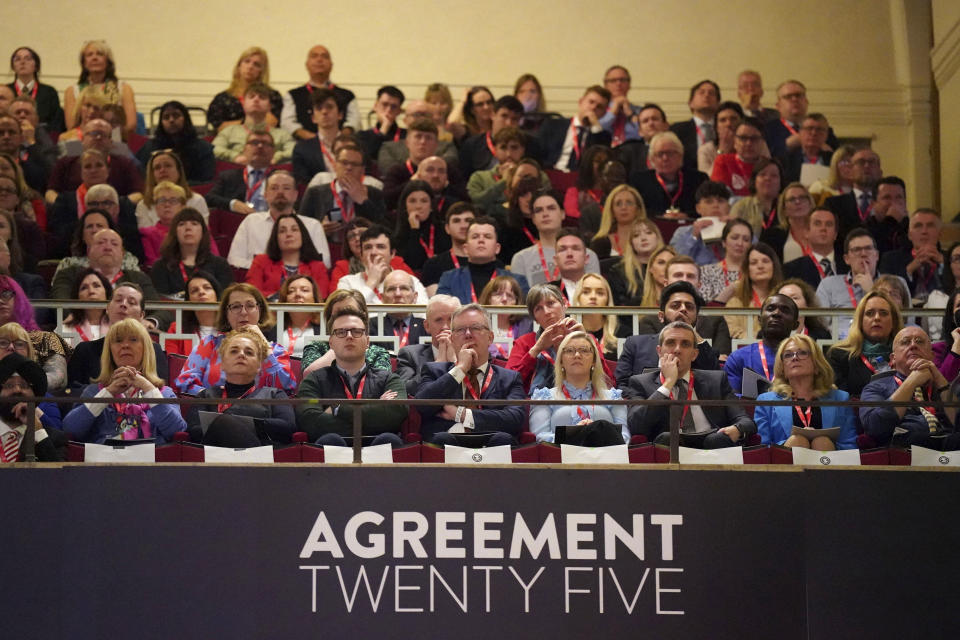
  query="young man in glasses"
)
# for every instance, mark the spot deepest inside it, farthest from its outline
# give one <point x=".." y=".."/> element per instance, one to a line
<point x="349" y="377"/>
<point x="470" y="378"/>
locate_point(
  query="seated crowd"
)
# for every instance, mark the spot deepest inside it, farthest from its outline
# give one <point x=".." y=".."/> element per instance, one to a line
<point x="464" y="209"/>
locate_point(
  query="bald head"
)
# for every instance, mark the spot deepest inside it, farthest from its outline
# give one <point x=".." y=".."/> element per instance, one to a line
<point x="105" y="251"/>
<point x="96" y="135"/>
<point x="433" y="171"/>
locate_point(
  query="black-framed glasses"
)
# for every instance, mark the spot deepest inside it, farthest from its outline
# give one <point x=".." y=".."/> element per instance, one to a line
<point x="473" y="328"/>
<point x="16" y="344"/>
<point x="343" y="332"/>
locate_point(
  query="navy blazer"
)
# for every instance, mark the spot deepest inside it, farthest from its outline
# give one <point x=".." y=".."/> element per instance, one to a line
<point x="805" y="269"/>
<point x="416" y="330"/>
<point x="793" y="164"/>
<point x="318" y="203"/>
<point x="456" y="282"/>
<point x="505" y="385"/>
<point x="880" y="422"/>
<point x="410" y="361"/>
<point x="655" y="198"/>
<point x="776" y="423"/>
<point x="640" y="352"/>
<point x="551" y="136"/>
<point x="228" y="186"/>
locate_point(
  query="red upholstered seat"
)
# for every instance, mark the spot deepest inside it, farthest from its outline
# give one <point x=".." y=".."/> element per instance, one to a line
<point x="290" y="453"/>
<point x="644" y="453"/>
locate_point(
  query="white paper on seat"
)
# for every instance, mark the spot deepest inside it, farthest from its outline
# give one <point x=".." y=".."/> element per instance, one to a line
<point x="378" y="453"/>
<point x="923" y="457"/>
<point x="726" y="455"/>
<point x="134" y="454"/>
<point x="238" y="456"/>
<point x="614" y="454"/>
<point x="803" y="456"/>
<point x="486" y="455"/>
<point x="810" y="173"/>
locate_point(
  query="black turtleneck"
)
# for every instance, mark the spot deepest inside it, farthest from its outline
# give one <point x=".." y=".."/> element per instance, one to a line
<point x="237" y="390"/>
<point x="481" y="274"/>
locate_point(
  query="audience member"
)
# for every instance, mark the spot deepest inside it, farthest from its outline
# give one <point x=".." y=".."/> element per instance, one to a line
<point x="811" y="150"/>
<point x="295" y="117"/>
<point x="487" y="187"/>
<point x="761" y="277"/>
<point x="199" y="287"/>
<point x="779" y="318"/>
<point x="165" y="166"/>
<point x="669" y="188"/>
<point x="388" y="107"/>
<point x="457" y="223"/>
<point x="482" y="266"/>
<point x="122" y="172"/>
<point x="866" y="349"/>
<point x="471" y="117"/>
<point x="622" y="207"/>
<point x="840" y="178"/>
<point x="398" y="288"/>
<point x="750" y="92"/>
<point x="806" y="298"/>
<point x="735" y="168"/>
<point x="563" y="141"/>
<point x="922" y="264"/>
<point x="185" y="250"/>
<point x="290" y="251"/>
<point x="854" y="207"/>
<point x="788" y="238"/>
<point x="231" y="140"/>
<point x="20" y="377"/>
<point x="889" y="220"/>
<point x="698" y="130"/>
<point x="713" y="209"/>
<point x="420" y="231"/>
<point x="317" y="354"/>
<point x="300" y="289"/>
<point x="505" y="291"/>
<point x="226" y="108"/>
<point x="412" y="357"/>
<point x="634" y="154"/>
<point x="783" y="133"/>
<point x="819" y="260"/>
<point x="529" y="92"/>
<point x="628" y="274"/>
<point x="168" y="199"/>
<point x="243" y="190"/>
<point x="584" y="200"/>
<point x="377" y="254"/>
<point x="177" y="133"/>
<point x="619" y="121"/>
<point x="90" y="323"/>
<point x="25" y="64"/>
<point x="316" y="152"/>
<point x="99" y="70"/>
<point x="35" y="162"/>
<point x="656" y="277"/>
<point x="478" y="152"/>
<point x="717" y="278"/>
<point x="347" y="196"/>
<point x="571" y="260"/>
<point x="760" y="207"/>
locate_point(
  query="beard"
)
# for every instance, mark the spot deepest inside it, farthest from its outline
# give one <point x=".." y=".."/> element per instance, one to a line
<point x="6" y="407"/>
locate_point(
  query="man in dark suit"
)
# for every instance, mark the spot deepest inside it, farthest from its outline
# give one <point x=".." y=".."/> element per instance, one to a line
<point x="698" y="130"/>
<point x="813" y="136"/>
<point x="244" y="190"/>
<point x="477" y="152"/>
<point x="411" y="358"/>
<point x="84" y="364"/>
<point x="398" y="288"/>
<point x="889" y="220"/>
<point x="388" y="106"/>
<point x="651" y="120"/>
<point x="669" y="187"/>
<point x="783" y="132"/>
<point x="913" y="377"/>
<point x="470" y="378"/>
<point x="679" y="302"/>
<point x="563" y="141"/>
<point x="922" y="264"/>
<point x="21" y="377"/>
<point x="854" y="208"/>
<point x="750" y="92"/>
<point x="347" y="196"/>
<point x="822" y="261"/>
<point x="315" y="154"/>
<point x="706" y="427"/>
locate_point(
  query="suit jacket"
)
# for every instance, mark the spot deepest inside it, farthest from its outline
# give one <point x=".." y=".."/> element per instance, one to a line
<point x="845" y="208"/>
<point x="410" y="361"/>
<point x="84" y="364"/>
<point x="775" y="423"/>
<point x="805" y="269"/>
<point x="505" y="385"/>
<point x="318" y="202"/>
<point x="880" y="422"/>
<point x="640" y="352"/>
<point x="475" y="155"/>
<point x="649" y="421"/>
<point x="895" y="263"/>
<point x="687" y="132"/>
<point x="793" y="164"/>
<point x="416" y="331"/>
<point x="308" y="160"/>
<point x="776" y="135"/>
<point x="456" y="282"/>
<point x="849" y="375"/>
<point x="64" y="280"/>
<point x="656" y="200"/>
<point x="551" y="136"/>
<point x="228" y="186"/>
<point x="712" y="328"/>
<point x="889" y="233"/>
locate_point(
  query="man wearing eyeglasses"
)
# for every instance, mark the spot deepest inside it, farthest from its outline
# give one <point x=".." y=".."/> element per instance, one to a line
<point x="618" y="120"/>
<point x="243" y="190"/>
<point x="854" y="209"/>
<point x="349" y="377"/>
<point x="124" y="174"/>
<point x="783" y="133"/>
<point x="812" y="149"/>
<point x="669" y="189"/>
<point x="914" y="377"/>
<point x="471" y="378"/>
<point x="231" y="141"/>
<point x="398" y="288"/>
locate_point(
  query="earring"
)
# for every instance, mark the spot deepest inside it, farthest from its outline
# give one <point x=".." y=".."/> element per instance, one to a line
<point x="563" y="370"/>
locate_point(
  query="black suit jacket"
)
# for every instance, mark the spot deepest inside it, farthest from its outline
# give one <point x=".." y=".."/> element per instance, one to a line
<point x="776" y="135"/>
<point x="62" y="221"/>
<point x="505" y="385"/>
<point x="848" y="217"/>
<point x="687" y="132"/>
<point x="655" y="198"/>
<point x="84" y="364"/>
<point x="410" y="361"/>
<point x="633" y="155"/>
<point x="895" y="263"/>
<point x="53" y="448"/>
<point x="712" y="328"/>
<point x="370" y="140"/>
<point x="416" y="330"/>
<point x="890" y="233"/>
<point x="228" y="186"/>
<point x="550" y="139"/>
<point x="804" y="268"/>
<point x="475" y="155"/>
<point x="640" y="352"/>
<point x="308" y="160"/>
<point x="793" y="164"/>
<point x="318" y="202"/>
<point x="650" y="421"/>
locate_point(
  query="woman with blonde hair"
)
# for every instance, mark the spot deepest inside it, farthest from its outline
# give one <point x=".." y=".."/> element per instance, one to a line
<point x="90" y="105"/>
<point x="866" y="349"/>
<point x="578" y="375"/>
<point x="226" y="108"/>
<point x="656" y="278"/>
<point x="622" y="208"/>
<point x="789" y="236"/>
<point x="99" y="71"/>
<point x="593" y="290"/>
<point x="840" y="179"/>
<point x="627" y="276"/>
<point x="128" y="369"/>
<point x="801" y="373"/>
<point x="761" y="277"/>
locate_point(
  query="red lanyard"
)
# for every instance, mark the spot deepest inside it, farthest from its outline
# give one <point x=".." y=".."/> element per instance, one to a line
<point x="792" y="131"/>
<point x="440" y="204"/>
<point x="473" y="292"/>
<point x="529" y="236"/>
<point x="619" y="130"/>
<point x="454" y="259"/>
<point x="33" y="92"/>
<point x="549" y="358"/>
<point x="872" y="368"/>
<point x="410" y="167"/>
<point x="290" y="335"/>
<point x="346" y="214"/>
<point x="81" y="200"/>
<point x="804" y="420"/>
<point x="809" y="252"/>
<point x="773" y="214"/>
<point x="543" y="262"/>
<point x="404" y="336"/>
<point x="428" y="248"/>
<point x="756" y="299"/>
<point x="596" y="195"/>
<point x="576" y="139"/>
<point x="932" y="410"/>
<point x="616" y="242"/>
<point x="726" y="274"/>
<point x="853" y="298"/>
<point x="483" y="388"/>
<point x="490" y="146"/>
<point x="663" y="184"/>
<point x="183" y="272"/>
<point x="83" y="334"/>
<point x="686" y="407"/>
<point x="701" y="138"/>
<point x="380" y="132"/>
<point x="584" y="415"/>
<point x="763" y="359"/>
<point x="251" y="190"/>
<point x="223" y="407"/>
<point x="863" y="214"/>
<point x="331" y="161"/>
<point x="815" y="159"/>
<point x="114" y="279"/>
<point x="346" y="389"/>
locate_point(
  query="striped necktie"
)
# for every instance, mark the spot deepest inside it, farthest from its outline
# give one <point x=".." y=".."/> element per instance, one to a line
<point x="932" y="422"/>
<point x="11" y="446"/>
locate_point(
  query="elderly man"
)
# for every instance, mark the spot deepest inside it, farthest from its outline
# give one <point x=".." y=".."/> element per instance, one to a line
<point x="699" y="129"/>
<point x="563" y="141"/>
<point x="922" y="264"/>
<point x="750" y="92"/>
<point x="399" y="288"/>
<point x="253" y="233"/>
<point x="295" y="117"/>
<point x="811" y="150"/>
<point x="124" y="173"/>
<point x="126" y="302"/>
<point x="669" y="188"/>
<point x="317" y="153"/>
<point x="387" y="108"/>
<point x="63" y="217"/>
<point x="20" y="138"/>
<point x="242" y="190"/>
<point x="889" y="220"/>
<point x="349" y="377"/>
<point x="651" y="120"/>
<point x="468" y="379"/>
<point x="21" y="377"/>
<point x="618" y="121"/>
<point x="820" y="261"/>
<point x="376" y="253"/>
<point x="230" y="143"/>
<point x="913" y="377"/>
<point x="478" y="153"/>
<point x="675" y="379"/>
<point x="854" y="208"/>
<point x="783" y="132"/>
<point x="411" y="358"/>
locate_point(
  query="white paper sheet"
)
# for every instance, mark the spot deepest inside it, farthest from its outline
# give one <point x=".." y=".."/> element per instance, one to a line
<point x="810" y="173"/>
<point x="923" y="457"/>
<point x="238" y="456"/>
<point x="486" y="455"/>
<point x="379" y="453"/>
<point x="809" y="457"/>
<point x="712" y="232"/>
<point x="614" y="454"/>
<point x="727" y="455"/>
<point x="134" y="454"/>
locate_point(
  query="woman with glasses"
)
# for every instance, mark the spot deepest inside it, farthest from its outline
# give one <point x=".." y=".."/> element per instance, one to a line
<point x="801" y="373"/>
<point x="734" y="169"/>
<point x="15" y="339"/>
<point x="165" y="166"/>
<point x="290" y="251"/>
<point x="505" y="291"/>
<point x="318" y="354"/>
<point x="789" y="236"/>
<point x="578" y="375"/>
<point x="128" y="369"/>
<point x="176" y="133"/>
<point x="241" y="305"/>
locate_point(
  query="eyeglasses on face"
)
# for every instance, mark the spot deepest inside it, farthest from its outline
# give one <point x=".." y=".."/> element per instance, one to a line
<point x="572" y="351"/>
<point x="473" y="328"/>
<point x="7" y="294"/>
<point x="16" y="344"/>
<point x="355" y="332"/>
<point x="237" y="307"/>
<point x="799" y="354"/>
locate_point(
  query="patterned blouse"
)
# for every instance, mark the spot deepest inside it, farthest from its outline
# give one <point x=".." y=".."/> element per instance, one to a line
<point x="713" y="280"/>
<point x="202" y="369"/>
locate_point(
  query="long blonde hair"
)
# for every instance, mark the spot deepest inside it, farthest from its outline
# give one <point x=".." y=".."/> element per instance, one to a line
<point x="651" y="297"/>
<point x="782" y="219"/>
<point x="822" y="371"/>
<point x="609" y="321"/>
<point x="236" y="82"/>
<point x="844" y="152"/>
<point x="597" y="376"/>
<point x="631" y="266"/>
<point x="853" y="343"/>
<point x="608" y="223"/>
<point x="124" y="329"/>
